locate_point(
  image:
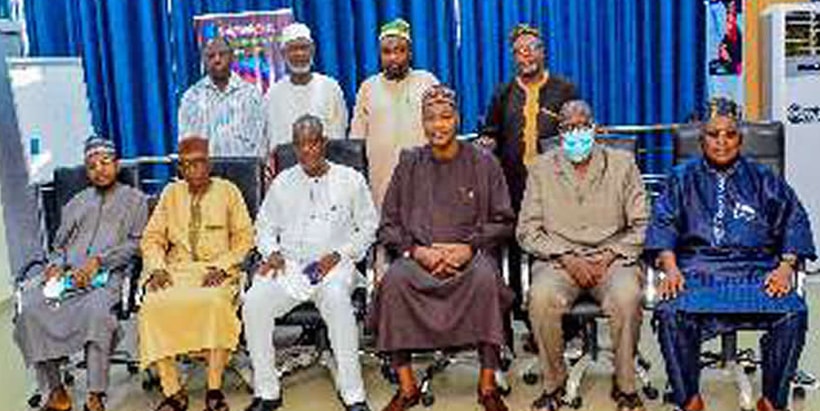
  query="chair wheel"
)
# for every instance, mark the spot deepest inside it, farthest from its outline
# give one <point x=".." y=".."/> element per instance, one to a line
<point x="34" y="400"/>
<point x="530" y="378"/>
<point x="504" y="390"/>
<point x="149" y="381"/>
<point x="651" y="392"/>
<point x="506" y="363"/>
<point x="668" y="397"/>
<point x="749" y="369"/>
<point x="799" y="393"/>
<point x="427" y="399"/>
<point x="133" y="369"/>
<point x="576" y="403"/>
<point x="68" y="379"/>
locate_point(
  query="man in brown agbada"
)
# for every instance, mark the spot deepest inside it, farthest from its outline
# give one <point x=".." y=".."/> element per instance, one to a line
<point x="192" y="247"/>
<point x="446" y="211"/>
<point x="583" y="219"/>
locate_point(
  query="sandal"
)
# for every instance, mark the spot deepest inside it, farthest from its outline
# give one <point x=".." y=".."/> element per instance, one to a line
<point x="549" y="401"/>
<point x="59" y="396"/>
<point x="94" y="402"/>
<point x="176" y="402"/>
<point x="215" y="401"/>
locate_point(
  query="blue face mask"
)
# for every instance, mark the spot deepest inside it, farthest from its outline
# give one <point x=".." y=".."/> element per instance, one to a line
<point x="577" y="144"/>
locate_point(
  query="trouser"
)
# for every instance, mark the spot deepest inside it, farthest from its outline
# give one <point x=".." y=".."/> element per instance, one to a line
<point x="679" y="334"/>
<point x="267" y="300"/>
<point x="97" y="365"/>
<point x="552" y="294"/>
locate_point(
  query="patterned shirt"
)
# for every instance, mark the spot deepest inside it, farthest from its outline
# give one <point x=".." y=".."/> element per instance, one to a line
<point x="232" y="119"/>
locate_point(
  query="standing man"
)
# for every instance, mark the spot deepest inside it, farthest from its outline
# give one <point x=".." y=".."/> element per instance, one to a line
<point x="303" y="91"/>
<point x="523" y="111"/>
<point x="317" y="219"/>
<point x="388" y="106"/>
<point x="223" y="108"/>
<point x="95" y="245"/>
<point x="583" y="220"/>
<point x="198" y="235"/>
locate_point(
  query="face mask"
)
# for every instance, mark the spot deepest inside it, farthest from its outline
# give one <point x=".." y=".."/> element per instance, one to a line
<point x="577" y="144"/>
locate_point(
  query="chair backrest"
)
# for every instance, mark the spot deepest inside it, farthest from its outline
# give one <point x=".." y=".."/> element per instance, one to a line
<point x="247" y="173"/>
<point x="763" y="142"/>
<point x="68" y="182"/>
<point x="348" y="152"/>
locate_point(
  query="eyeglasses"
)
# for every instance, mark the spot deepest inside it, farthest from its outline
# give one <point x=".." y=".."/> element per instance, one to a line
<point x="529" y="48"/>
<point x="716" y="133"/>
<point x="568" y="128"/>
<point x="188" y="164"/>
<point x="99" y="162"/>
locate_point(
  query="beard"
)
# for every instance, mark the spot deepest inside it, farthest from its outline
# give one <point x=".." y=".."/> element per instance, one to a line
<point x="302" y="69"/>
<point x="396" y="72"/>
<point x="528" y="70"/>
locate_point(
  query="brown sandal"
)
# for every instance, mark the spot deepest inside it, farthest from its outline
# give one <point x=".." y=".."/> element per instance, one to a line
<point x="94" y="402"/>
<point x="60" y="396"/>
<point x="176" y="402"/>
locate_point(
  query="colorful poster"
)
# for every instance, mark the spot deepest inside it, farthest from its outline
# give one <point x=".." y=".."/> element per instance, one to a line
<point x="254" y="37"/>
<point x="724" y="52"/>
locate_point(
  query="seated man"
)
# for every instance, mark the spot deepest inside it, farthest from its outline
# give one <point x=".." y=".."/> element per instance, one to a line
<point x="192" y="247"/>
<point x="95" y="245"/>
<point x="316" y="222"/>
<point x="729" y="234"/>
<point x="446" y="211"/>
<point x="583" y="219"/>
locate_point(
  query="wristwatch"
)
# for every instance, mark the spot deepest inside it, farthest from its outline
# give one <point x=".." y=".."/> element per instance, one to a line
<point x="790" y="259"/>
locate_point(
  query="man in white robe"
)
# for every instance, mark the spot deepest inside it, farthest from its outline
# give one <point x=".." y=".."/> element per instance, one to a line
<point x="316" y="222"/>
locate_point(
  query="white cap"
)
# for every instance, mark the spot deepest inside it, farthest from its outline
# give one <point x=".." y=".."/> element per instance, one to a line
<point x="295" y="31"/>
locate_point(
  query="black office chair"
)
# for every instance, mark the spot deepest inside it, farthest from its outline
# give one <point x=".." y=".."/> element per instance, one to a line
<point x="581" y="321"/>
<point x="313" y="344"/>
<point x="68" y="182"/>
<point x="247" y="173"/>
<point x="763" y="142"/>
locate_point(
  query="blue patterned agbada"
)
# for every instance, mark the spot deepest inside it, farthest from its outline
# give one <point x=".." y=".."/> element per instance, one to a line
<point x="729" y="230"/>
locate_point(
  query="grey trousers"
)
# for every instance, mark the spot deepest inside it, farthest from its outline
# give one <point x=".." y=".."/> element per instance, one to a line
<point x="97" y="365"/>
<point x="553" y="293"/>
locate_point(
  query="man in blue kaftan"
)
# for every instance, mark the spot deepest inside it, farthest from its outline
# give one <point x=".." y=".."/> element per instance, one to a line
<point x="728" y="233"/>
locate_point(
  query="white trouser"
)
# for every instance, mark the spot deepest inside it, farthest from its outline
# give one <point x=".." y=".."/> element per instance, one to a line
<point x="268" y="299"/>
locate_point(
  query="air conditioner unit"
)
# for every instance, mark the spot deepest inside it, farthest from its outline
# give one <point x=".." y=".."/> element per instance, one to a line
<point x="790" y="59"/>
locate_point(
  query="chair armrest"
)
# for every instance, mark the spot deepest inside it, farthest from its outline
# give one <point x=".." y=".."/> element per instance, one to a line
<point x="129" y="295"/>
<point x="526" y="279"/>
<point x="250" y="264"/>
<point x="24" y="273"/>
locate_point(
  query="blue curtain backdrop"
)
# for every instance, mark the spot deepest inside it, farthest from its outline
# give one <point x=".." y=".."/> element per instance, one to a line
<point x="127" y="63"/>
<point x="637" y="61"/>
